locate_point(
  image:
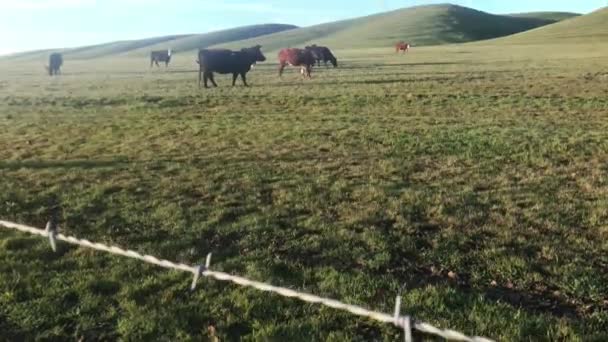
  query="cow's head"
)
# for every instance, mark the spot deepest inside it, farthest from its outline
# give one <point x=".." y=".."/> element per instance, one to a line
<point x="256" y="53"/>
<point x="334" y="61"/>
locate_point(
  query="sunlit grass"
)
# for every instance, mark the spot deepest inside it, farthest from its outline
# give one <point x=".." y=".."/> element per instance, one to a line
<point x="474" y="180"/>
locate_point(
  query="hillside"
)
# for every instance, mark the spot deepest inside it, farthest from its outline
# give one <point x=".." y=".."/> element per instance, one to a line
<point x="177" y="43"/>
<point x="195" y="42"/>
<point x="551" y="16"/>
<point x="421" y="25"/>
<point x="588" y="28"/>
<point x="98" y="50"/>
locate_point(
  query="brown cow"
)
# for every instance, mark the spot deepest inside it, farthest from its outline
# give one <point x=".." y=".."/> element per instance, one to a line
<point x="296" y="57"/>
<point x="402" y="46"/>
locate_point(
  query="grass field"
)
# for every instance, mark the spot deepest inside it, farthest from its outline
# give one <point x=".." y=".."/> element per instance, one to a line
<point x="471" y="176"/>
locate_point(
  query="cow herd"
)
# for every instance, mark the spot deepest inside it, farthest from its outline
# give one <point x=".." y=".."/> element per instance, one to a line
<point x="239" y="63"/>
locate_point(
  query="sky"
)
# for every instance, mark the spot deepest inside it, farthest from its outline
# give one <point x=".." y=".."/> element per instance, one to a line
<point x="41" y="24"/>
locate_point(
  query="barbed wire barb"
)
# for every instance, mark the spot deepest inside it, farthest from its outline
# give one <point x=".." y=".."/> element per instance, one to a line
<point x="51" y="229"/>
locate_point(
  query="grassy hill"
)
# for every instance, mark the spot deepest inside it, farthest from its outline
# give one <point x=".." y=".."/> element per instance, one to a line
<point x="98" y="50"/>
<point x="588" y="28"/>
<point x="195" y="42"/>
<point x="421" y="25"/>
<point x="177" y="43"/>
<point x="551" y="16"/>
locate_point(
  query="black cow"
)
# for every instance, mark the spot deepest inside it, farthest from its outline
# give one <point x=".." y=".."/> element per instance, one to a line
<point x="55" y="63"/>
<point x="227" y="62"/>
<point x="322" y="53"/>
<point x="163" y="56"/>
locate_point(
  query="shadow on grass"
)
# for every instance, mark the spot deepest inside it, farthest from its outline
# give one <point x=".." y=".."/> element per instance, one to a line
<point x="50" y="164"/>
<point x="299" y="82"/>
<point x="394" y="65"/>
<point x="530" y="300"/>
<point x="155" y="163"/>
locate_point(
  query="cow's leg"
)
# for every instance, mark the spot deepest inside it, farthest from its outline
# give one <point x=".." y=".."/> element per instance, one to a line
<point x="308" y="70"/>
<point x="234" y="77"/>
<point x="281" y="68"/>
<point x="212" y="79"/>
<point x="244" y="78"/>
<point x="151" y="62"/>
<point x="205" y="78"/>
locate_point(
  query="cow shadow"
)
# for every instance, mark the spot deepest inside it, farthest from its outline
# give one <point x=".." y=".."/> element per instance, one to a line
<point x="182" y="71"/>
<point x="397" y="80"/>
<point x="393" y="65"/>
<point x="286" y="83"/>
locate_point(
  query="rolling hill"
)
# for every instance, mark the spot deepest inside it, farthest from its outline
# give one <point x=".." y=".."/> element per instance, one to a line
<point x="177" y="43"/>
<point x="588" y="28"/>
<point x="195" y="42"/>
<point x="550" y="16"/>
<point x="421" y="25"/>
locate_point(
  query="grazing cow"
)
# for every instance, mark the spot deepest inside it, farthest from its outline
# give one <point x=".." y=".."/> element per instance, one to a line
<point x="296" y="57"/>
<point x="55" y="63"/>
<point x="402" y="46"/>
<point x="163" y="56"/>
<point x="322" y="54"/>
<point x="227" y="62"/>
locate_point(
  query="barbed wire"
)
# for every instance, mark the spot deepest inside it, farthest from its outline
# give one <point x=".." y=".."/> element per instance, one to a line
<point x="403" y="322"/>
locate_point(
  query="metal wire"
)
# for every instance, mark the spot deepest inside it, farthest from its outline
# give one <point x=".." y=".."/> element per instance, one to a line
<point x="403" y="322"/>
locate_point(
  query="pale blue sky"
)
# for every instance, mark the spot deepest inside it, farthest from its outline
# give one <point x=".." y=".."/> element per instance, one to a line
<point x="37" y="24"/>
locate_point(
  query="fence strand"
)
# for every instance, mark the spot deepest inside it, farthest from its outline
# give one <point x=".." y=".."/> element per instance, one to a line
<point x="402" y="322"/>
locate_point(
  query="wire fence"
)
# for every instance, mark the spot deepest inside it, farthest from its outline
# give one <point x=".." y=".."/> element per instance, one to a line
<point x="404" y="322"/>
